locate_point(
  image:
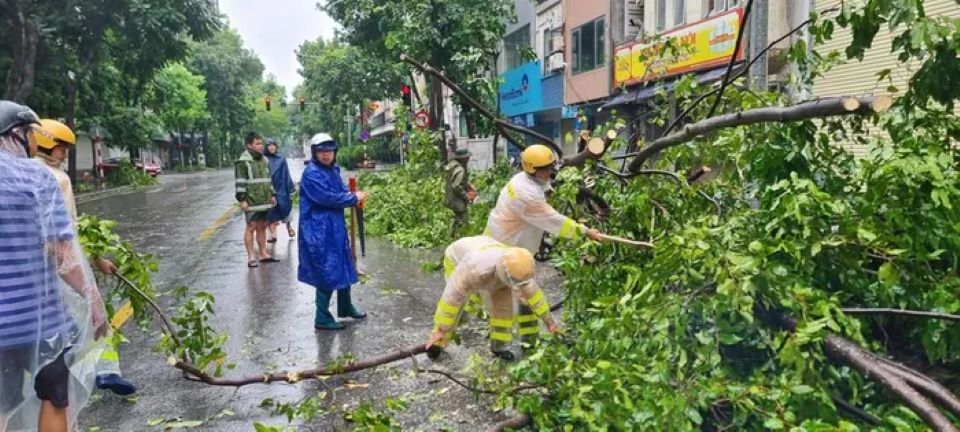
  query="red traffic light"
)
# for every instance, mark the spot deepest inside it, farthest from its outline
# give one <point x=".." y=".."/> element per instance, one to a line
<point x="266" y="102"/>
<point x="302" y="102"/>
<point x="405" y="94"/>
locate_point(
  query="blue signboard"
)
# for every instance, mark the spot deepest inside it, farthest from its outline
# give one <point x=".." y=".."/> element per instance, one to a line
<point x="521" y="91"/>
<point x="526" y="120"/>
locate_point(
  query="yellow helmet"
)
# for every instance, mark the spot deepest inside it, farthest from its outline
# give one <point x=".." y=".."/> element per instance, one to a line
<point x="51" y="132"/>
<point x="517" y="265"/>
<point x="536" y="156"/>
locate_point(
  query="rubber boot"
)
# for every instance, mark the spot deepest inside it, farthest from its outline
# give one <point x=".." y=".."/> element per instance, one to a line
<point x="504" y="355"/>
<point x="345" y="308"/>
<point x="528" y="327"/>
<point x="323" y="320"/>
<point x="116" y="384"/>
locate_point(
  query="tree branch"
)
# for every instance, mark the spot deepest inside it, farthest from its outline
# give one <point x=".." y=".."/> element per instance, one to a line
<point x="166" y="322"/>
<point x="516" y="422"/>
<point x="429" y="70"/>
<point x="818" y="108"/>
<point x="904" y="312"/>
<point x="475" y="389"/>
<point x="293" y="377"/>
<point x="593" y="150"/>
<point x="676" y="121"/>
<point x="856" y="411"/>
<point x="733" y="59"/>
<point x="931" y="388"/>
<point x="866" y="363"/>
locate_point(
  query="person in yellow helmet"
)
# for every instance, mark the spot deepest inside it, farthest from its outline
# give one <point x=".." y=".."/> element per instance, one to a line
<point x="522" y="215"/>
<point x="497" y="272"/>
<point x="54" y="141"/>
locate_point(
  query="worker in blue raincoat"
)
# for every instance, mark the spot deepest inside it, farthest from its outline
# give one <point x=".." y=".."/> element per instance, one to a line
<point x="325" y="258"/>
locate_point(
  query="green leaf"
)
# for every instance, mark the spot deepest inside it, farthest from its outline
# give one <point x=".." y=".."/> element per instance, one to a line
<point x="694" y="415"/>
<point x="888" y="274"/>
<point x="801" y="389"/>
<point x="729" y="338"/>
<point x="773" y="423"/>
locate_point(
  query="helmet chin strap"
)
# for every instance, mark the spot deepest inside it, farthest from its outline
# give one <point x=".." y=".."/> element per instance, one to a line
<point x="23" y="140"/>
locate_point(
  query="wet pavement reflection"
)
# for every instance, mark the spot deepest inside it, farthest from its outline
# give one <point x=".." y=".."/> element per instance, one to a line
<point x="189" y="222"/>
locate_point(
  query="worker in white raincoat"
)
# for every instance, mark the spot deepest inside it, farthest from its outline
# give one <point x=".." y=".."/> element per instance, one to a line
<point x="482" y="265"/>
<point x="54" y="140"/>
<point x="522" y="214"/>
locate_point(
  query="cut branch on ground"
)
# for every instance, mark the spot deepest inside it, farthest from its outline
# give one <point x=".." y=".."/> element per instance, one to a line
<point x="297" y="376"/>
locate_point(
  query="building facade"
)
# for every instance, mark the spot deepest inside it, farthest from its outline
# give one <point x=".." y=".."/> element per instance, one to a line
<point x="855" y="78"/>
<point x="587" y="72"/>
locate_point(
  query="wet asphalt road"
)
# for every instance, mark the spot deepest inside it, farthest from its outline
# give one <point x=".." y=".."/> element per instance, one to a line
<point x="190" y="224"/>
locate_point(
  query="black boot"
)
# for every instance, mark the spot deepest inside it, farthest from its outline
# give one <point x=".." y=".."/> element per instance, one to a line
<point x="345" y="308"/>
<point x="504" y="355"/>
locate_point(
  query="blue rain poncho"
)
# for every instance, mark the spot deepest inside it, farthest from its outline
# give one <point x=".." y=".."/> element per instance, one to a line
<point x="324" y="246"/>
<point x="282" y="185"/>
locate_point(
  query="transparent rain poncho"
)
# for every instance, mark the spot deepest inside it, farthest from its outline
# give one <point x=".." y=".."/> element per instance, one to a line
<point x="522" y="214"/>
<point x="477" y="269"/>
<point x="50" y="306"/>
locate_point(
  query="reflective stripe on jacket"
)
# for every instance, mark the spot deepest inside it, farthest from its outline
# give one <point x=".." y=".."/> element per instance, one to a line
<point x="253" y="183"/>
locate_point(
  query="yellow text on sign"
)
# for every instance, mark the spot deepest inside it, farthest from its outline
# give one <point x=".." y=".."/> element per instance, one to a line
<point x="702" y="45"/>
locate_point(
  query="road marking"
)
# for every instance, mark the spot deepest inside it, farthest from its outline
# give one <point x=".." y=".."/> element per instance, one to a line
<point x="122" y="315"/>
<point x="217" y="224"/>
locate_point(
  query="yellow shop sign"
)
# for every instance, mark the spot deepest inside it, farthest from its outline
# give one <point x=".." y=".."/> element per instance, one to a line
<point x="701" y="45"/>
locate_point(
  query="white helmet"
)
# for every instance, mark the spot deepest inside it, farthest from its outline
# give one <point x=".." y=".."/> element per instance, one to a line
<point x="320" y="138"/>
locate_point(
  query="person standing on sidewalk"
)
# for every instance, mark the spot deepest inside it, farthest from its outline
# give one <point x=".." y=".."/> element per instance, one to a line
<point x="254" y="192"/>
<point x="326" y="262"/>
<point x="54" y="140"/>
<point x="284" y="187"/>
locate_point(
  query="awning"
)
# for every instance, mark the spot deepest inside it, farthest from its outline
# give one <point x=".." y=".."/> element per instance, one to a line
<point x="642" y="92"/>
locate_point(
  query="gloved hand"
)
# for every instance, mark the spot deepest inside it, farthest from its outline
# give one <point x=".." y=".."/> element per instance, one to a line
<point x="593" y="234"/>
<point x="437" y="337"/>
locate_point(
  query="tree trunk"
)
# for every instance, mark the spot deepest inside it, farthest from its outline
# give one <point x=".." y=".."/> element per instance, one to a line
<point x="70" y="120"/>
<point x="437" y="108"/>
<point x="25" y="38"/>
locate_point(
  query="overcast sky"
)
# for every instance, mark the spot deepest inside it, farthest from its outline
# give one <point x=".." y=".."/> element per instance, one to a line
<point x="275" y="28"/>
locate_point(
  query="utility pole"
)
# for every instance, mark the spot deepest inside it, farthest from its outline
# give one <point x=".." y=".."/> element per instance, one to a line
<point x="758" y="42"/>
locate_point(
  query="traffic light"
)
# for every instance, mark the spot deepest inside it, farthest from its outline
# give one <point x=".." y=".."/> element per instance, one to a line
<point x="303" y="102"/>
<point x="283" y="103"/>
<point x="405" y="94"/>
<point x="266" y="102"/>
